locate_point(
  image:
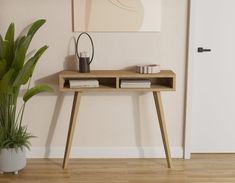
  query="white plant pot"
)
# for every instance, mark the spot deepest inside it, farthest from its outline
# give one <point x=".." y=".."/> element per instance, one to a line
<point x="12" y="160"/>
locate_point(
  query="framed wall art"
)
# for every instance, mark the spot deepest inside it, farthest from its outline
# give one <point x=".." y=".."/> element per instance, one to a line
<point x="116" y="15"/>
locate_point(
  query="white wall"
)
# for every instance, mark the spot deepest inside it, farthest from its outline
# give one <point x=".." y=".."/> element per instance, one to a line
<point x="111" y="125"/>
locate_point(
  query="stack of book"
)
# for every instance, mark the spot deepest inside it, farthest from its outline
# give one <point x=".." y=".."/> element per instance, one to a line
<point x="84" y="83"/>
<point x="135" y="83"/>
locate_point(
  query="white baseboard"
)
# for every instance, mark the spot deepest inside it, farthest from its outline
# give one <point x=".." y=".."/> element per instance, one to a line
<point x="104" y="152"/>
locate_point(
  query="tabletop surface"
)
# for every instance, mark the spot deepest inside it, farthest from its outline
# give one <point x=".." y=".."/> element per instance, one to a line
<point x="115" y="73"/>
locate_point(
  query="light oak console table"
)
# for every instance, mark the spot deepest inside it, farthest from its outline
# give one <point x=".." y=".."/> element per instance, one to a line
<point x="109" y="81"/>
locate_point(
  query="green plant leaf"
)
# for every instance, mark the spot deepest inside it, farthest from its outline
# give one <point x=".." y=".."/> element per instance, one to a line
<point x="10" y="33"/>
<point x="35" y="26"/>
<point x="20" y="53"/>
<point x="5" y="48"/>
<point x="36" y="90"/>
<point x="18" y="42"/>
<point x="6" y="82"/>
<point x="1" y="47"/>
<point x="41" y="51"/>
<point x="26" y="72"/>
<point x="3" y="66"/>
<point x="38" y="54"/>
<point x="9" y="53"/>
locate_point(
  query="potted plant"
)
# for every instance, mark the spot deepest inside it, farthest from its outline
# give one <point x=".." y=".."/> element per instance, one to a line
<point x="15" y="71"/>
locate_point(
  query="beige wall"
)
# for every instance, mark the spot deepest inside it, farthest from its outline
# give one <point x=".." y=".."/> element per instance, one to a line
<point x="124" y="120"/>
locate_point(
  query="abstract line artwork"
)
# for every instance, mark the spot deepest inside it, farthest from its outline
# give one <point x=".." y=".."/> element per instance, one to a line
<point x="116" y="15"/>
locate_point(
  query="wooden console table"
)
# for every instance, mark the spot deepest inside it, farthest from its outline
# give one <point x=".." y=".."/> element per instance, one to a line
<point x="109" y="81"/>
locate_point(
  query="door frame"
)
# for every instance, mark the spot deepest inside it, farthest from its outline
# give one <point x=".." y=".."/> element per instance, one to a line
<point x="189" y="80"/>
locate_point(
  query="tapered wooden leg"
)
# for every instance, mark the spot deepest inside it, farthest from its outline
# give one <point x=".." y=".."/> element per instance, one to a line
<point x="73" y="118"/>
<point x="161" y="119"/>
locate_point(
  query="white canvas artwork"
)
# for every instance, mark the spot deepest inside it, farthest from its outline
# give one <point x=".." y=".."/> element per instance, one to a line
<point x="117" y="15"/>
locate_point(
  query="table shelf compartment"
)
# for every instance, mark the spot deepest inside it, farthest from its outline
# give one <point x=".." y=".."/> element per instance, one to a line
<point x="156" y="83"/>
<point x="163" y="82"/>
<point x="107" y="82"/>
<point x="104" y="83"/>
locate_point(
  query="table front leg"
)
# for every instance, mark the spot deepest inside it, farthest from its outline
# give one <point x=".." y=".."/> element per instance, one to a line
<point x="73" y="119"/>
<point x="161" y="119"/>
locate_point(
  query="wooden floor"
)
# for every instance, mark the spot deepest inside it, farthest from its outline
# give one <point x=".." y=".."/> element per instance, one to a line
<point x="200" y="169"/>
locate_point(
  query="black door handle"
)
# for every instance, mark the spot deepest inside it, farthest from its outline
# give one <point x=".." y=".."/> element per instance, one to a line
<point x="201" y="49"/>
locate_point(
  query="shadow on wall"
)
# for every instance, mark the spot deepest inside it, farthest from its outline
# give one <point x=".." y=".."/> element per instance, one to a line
<point x="53" y="124"/>
<point x="53" y="81"/>
<point x="137" y="124"/>
<point x="70" y="62"/>
<point x="57" y="111"/>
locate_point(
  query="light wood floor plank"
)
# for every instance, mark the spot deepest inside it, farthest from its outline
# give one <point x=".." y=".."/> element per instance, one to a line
<point x="202" y="168"/>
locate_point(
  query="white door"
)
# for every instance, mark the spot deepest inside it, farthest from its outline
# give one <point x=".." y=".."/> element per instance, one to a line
<point x="211" y="77"/>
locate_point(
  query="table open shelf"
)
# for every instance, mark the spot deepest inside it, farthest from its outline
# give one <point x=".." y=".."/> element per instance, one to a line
<point x="109" y="81"/>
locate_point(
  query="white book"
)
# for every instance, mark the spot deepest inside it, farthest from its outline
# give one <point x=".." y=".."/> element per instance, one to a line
<point x="139" y="84"/>
<point x="84" y="83"/>
<point x="135" y="86"/>
<point x="85" y="86"/>
<point x="136" y="81"/>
